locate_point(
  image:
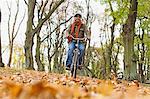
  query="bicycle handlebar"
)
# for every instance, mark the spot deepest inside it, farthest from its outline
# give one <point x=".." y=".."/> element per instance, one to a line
<point x="78" y="38"/>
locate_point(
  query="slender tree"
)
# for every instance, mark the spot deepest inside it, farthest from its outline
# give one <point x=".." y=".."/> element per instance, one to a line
<point x="109" y="49"/>
<point x="41" y="10"/>
<point x="14" y="32"/>
<point x="141" y="57"/>
<point x="1" y="63"/>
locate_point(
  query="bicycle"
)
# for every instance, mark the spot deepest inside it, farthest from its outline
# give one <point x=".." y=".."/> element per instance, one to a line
<point x="75" y="57"/>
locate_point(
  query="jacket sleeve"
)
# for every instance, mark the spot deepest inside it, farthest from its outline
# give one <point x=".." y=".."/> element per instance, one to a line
<point x="68" y="31"/>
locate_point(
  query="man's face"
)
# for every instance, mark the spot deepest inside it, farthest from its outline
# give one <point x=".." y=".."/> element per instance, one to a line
<point x="77" y="19"/>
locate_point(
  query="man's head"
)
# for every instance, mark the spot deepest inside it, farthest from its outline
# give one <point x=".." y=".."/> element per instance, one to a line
<point x="78" y="15"/>
<point x="77" y="18"/>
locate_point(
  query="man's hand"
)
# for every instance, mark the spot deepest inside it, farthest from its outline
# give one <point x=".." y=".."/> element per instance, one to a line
<point x="88" y="38"/>
<point x="67" y="35"/>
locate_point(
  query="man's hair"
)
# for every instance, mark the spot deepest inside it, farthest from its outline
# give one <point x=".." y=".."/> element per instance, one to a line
<point x="78" y="15"/>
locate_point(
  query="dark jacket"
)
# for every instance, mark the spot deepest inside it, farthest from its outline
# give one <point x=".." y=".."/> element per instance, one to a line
<point x="82" y="32"/>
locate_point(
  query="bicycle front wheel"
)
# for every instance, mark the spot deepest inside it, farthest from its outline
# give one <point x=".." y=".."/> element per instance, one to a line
<point x="74" y="71"/>
<point x="74" y="64"/>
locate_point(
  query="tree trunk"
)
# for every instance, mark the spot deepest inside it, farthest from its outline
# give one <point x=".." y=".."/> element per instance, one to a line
<point x="37" y="55"/>
<point x="49" y="60"/>
<point x="29" y="35"/>
<point x="56" y="56"/>
<point x="49" y="42"/>
<point x="115" y="61"/>
<point x="10" y="53"/>
<point x="61" y="64"/>
<point x="141" y="60"/>
<point x="148" y="69"/>
<point x="28" y="51"/>
<point x="128" y="40"/>
<point x="148" y="65"/>
<point x="55" y="67"/>
<point x="109" y="50"/>
<point x="1" y="63"/>
<point x="87" y="54"/>
<point x="104" y="72"/>
<point x="111" y="42"/>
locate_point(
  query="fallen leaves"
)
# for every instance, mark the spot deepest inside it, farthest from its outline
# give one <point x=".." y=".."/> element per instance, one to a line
<point x="14" y="89"/>
<point x="39" y="85"/>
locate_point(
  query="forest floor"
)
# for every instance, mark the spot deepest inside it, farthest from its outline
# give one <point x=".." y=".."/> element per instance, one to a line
<point x="28" y="84"/>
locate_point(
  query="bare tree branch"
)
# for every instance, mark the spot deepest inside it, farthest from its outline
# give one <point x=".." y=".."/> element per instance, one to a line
<point x="26" y="2"/>
<point x="43" y="8"/>
<point x="9" y="16"/>
<point x="50" y="6"/>
<point x="57" y="27"/>
<point x="59" y="44"/>
<point x="12" y="34"/>
<point x="20" y="24"/>
<point x="47" y="16"/>
<point x="14" y="24"/>
<point x="88" y="13"/>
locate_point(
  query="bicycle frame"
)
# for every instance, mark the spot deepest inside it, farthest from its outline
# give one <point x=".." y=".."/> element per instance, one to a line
<point x="75" y="58"/>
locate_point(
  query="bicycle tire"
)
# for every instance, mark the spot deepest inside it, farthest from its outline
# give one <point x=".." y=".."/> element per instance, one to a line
<point x="74" y="64"/>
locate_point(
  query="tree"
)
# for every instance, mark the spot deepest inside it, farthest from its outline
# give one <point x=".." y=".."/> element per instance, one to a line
<point x="1" y="63"/>
<point x="90" y="18"/>
<point x="128" y="40"/>
<point x="109" y="49"/>
<point x="141" y="56"/>
<point x="142" y="40"/>
<point x="13" y="33"/>
<point x="31" y="30"/>
<point x="52" y="23"/>
<point x="40" y="13"/>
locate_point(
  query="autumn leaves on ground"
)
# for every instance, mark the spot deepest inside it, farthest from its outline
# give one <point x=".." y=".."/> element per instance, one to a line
<point x="25" y="84"/>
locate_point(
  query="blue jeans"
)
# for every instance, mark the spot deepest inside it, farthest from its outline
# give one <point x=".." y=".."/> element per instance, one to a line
<point x="70" y="53"/>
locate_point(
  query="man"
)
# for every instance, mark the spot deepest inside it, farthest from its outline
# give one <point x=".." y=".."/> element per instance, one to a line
<point x="78" y="30"/>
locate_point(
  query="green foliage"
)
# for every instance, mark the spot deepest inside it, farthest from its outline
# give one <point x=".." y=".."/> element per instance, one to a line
<point x="147" y="39"/>
<point x="144" y="13"/>
<point x="18" y="58"/>
<point x="143" y="8"/>
<point x="120" y="9"/>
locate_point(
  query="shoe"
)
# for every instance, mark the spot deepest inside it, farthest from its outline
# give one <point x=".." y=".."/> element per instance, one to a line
<point x="67" y="67"/>
<point x="80" y="67"/>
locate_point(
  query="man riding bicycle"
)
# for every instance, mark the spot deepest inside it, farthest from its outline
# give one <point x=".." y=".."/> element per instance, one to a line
<point x="76" y="30"/>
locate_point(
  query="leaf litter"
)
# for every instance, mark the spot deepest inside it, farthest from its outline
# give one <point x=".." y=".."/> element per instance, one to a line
<point x="28" y="84"/>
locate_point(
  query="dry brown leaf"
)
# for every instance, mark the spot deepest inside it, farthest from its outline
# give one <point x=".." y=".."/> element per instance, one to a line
<point x="14" y="89"/>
